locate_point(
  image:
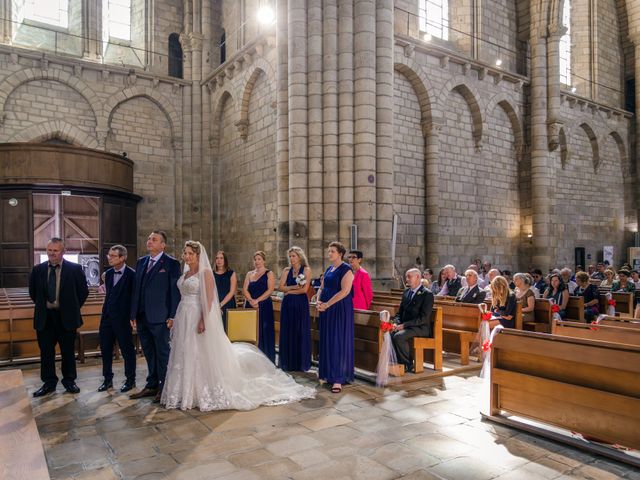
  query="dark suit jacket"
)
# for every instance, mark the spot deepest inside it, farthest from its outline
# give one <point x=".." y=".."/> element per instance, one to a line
<point x="473" y="295"/>
<point x="116" y="309"/>
<point x="156" y="293"/>
<point x="72" y="295"/>
<point x="416" y="314"/>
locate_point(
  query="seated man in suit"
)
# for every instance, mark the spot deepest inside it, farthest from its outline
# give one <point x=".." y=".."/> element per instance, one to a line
<point x="471" y="293"/>
<point x="413" y="318"/>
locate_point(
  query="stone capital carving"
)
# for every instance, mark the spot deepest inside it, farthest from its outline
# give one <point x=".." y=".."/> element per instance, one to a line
<point x="553" y="134"/>
<point x="243" y="128"/>
<point x="409" y="50"/>
<point x="132" y="78"/>
<point x="191" y="41"/>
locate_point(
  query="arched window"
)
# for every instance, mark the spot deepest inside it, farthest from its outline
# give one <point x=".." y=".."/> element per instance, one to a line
<point x="117" y="18"/>
<point x="223" y="47"/>
<point x="175" y="56"/>
<point x="434" y="18"/>
<point x="51" y="12"/>
<point x="565" y="45"/>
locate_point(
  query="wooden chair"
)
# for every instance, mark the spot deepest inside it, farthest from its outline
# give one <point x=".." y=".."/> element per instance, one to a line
<point x="243" y="325"/>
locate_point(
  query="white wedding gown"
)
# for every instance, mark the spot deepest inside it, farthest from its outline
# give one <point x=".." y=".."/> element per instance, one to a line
<point x="208" y="372"/>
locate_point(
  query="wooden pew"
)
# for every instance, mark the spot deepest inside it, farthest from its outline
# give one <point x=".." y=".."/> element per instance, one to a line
<point x="543" y="315"/>
<point x="420" y="344"/>
<point x="602" y="332"/>
<point x="579" y="385"/>
<point x="622" y="322"/>
<point x="575" y="309"/>
<point x="624" y="303"/>
<point x="21" y="453"/>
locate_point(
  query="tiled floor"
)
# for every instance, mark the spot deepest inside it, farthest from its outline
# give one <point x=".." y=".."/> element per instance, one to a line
<point x="420" y="430"/>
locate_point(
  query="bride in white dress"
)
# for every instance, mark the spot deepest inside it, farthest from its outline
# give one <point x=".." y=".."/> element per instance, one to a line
<point x="206" y="370"/>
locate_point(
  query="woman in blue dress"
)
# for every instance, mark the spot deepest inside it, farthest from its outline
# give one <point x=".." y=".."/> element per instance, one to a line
<point x="226" y="285"/>
<point x="259" y="284"/>
<point x="295" y="322"/>
<point x="335" y="305"/>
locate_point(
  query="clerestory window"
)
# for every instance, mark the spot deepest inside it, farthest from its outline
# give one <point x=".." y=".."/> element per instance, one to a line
<point x="434" y="18"/>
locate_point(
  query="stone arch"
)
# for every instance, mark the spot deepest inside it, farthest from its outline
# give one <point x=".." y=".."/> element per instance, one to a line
<point x="421" y="86"/>
<point x="44" y="131"/>
<point x="214" y="135"/>
<point x="21" y="77"/>
<point x="501" y="100"/>
<point x="622" y="151"/>
<point x="593" y="139"/>
<point x="471" y="96"/>
<point x="243" y="122"/>
<point x="160" y="100"/>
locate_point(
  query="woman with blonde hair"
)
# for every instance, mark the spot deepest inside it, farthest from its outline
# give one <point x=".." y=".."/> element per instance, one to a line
<point x="609" y="276"/>
<point x="295" y="322"/>
<point x="259" y="284"/>
<point x="503" y="303"/>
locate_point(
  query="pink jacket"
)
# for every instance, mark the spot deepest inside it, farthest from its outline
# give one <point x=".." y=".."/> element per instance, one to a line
<point x="362" y="291"/>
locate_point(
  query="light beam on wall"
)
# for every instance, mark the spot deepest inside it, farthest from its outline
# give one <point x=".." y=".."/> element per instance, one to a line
<point x="266" y="15"/>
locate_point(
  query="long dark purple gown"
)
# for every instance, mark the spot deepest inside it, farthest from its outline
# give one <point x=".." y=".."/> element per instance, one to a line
<point x="295" y="331"/>
<point x="336" y="363"/>
<point x="267" y="333"/>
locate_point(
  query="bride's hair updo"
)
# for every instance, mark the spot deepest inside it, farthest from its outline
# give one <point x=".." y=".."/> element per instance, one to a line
<point x="193" y="245"/>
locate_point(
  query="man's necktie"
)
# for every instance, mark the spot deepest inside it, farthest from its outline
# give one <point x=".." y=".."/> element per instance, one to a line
<point x="152" y="262"/>
<point x="411" y="295"/>
<point x="51" y="284"/>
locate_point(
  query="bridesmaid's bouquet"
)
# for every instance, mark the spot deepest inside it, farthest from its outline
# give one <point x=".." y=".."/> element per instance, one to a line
<point x="301" y="280"/>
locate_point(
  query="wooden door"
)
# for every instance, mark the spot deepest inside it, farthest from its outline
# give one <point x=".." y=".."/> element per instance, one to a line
<point x="16" y="238"/>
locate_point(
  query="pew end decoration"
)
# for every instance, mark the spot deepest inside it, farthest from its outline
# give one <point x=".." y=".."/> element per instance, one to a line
<point x="611" y="305"/>
<point x="242" y="325"/>
<point x="387" y="361"/>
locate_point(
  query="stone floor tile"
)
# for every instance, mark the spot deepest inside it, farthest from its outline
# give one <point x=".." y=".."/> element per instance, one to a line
<point x="201" y="470"/>
<point x="464" y="467"/>
<point x="157" y="463"/>
<point x="105" y="473"/>
<point x="335" y="435"/>
<point x="327" y="421"/>
<point x="403" y="459"/>
<point x="282" y="468"/>
<point x="439" y="446"/>
<point x="291" y="445"/>
<point x="252" y="458"/>
<point x="310" y="457"/>
<point x="184" y="429"/>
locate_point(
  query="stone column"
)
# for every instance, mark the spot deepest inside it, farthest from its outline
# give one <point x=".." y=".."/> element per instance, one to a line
<point x="553" y="84"/>
<point x="298" y="125"/>
<point x="384" y="137"/>
<point x="205" y="179"/>
<point x="431" y="132"/>
<point x="282" y="130"/>
<point x="364" y="44"/>
<point x="330" y="122"/>
<point x="345" y="118"/>
<point x="314" y="56"/>
<point x="542" y="256"/>
<point x="6" y="24"/>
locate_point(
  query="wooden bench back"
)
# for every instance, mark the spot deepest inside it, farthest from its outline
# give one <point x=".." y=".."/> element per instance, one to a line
<point x="605" y="333"/>
<point x="624" y="303"/>
<point x="575" y="309"/>
<point x="621" y="322"/>
<point x="590" y="387"/>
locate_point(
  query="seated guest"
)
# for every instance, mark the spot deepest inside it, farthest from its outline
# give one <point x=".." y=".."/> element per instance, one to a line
<point x="453" y="283"/>
<point x="558" y="292"/>
<point x="598" y="274"/>
<point x="535" y="291"/>
<point x="566" y="276"/>
<point x="438" y="284"/>
<point x="589" y="292"/>
<point x="427" y="278"/>
<point x="608" y="279"/>
<point x="538" y="280"/>
<point x="503" y="303"/>
<point x="507" y="276"/>
<point x="483" y="275"/>
<point x="525" y="296"/>
<point x="413" y="318"/>
<point x="362" y="290"/>
<point x="635" y="278"/>
<point x="472" y="292"/>
<point x="493" y="273"/>
<point x="623" y="284"/>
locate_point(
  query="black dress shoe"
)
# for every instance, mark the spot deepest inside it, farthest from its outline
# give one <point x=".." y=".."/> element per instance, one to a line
<point x="44" y="390"/>
<point x="157" y="398"/>
<point x="126" y="386"/>
<point x="72" y="388"/>
<point x="106" y="385"/>
<point x="145" y="392"/>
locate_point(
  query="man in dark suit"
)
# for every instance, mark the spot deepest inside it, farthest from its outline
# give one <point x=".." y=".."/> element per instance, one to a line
<point x="413" y="318"/>
<point x="115" y="321"/>
<point x="58" y="289"/>
<point x="153" y="306"/>
<point x="471" y="293"/>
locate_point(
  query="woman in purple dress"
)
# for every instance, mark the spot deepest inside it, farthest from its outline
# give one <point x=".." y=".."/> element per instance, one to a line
<point x="295" y="322"/>
<point x="336" y="321"/>
<point x="258" y="287"/>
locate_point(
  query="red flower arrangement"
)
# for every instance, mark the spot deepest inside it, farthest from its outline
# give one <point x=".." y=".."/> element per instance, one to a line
<point x="486" y="316"/>
<point x="386" y="327"/>
<point x="486" y="346"/>
<point x="594" y="328"/>
<point x="555" y="308"/>
<point x="612" y="302"/>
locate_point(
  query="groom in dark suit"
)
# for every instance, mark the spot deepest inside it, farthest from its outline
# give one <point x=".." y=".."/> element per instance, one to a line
<point x="58" y="289"/>
<point x="153" y="306"/>
<point x="413" y="318"/>
<point x="115" y="321"/>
